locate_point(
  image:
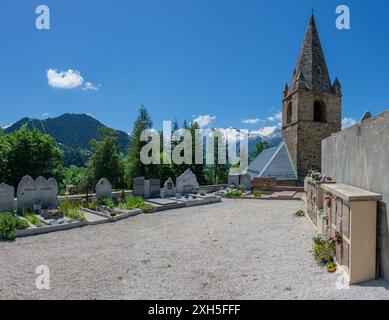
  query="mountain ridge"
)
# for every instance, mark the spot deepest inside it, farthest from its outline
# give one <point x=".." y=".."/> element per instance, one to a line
<point x="72" y="133"/>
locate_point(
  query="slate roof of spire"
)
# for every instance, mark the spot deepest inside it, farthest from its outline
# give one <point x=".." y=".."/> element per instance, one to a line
<point x="311" y="64"/>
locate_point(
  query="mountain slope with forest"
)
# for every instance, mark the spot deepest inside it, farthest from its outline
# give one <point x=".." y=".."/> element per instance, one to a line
<point x="72" y="133"/>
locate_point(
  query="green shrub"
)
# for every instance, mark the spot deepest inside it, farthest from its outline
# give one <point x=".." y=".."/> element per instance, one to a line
<point x="133" y="203"/>
<point x="299" y="213"/>
<point x="92" y="205"/>
<point x="71" y="210"/>
<point x="234" y="194"/>
<point x="33" y="219"/>
<point x="22" y="224"/>
<point x="257" y="194"/>
<point x="9" y="224"/>
<point x="136" y="203"/>
<point x="108" y="202"/>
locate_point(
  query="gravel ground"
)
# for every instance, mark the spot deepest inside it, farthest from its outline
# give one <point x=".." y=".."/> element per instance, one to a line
<point x="238" y="249"/>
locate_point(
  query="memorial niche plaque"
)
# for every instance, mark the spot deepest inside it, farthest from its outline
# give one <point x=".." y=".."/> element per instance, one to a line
<point x="346" y="220"/>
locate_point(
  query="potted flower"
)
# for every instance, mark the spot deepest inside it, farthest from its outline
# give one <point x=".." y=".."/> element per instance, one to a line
<point x="328" y="200"/>
<point x="331" y="266"/>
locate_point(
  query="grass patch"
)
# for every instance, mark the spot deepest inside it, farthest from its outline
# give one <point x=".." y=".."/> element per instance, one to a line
<point x="257" y="194"/>
<point x="234" y="194"/>
<point x="131" y="203"/>
<point x="108" y="202"/>
<point x="33" y="219"/>
<point x="71" y="210"/>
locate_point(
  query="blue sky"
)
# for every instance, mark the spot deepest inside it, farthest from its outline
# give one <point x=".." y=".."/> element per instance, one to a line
<point x="228" y="59"/>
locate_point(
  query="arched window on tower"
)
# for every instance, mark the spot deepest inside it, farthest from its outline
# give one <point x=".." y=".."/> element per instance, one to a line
<point x="289" y="113"/>
<point x="319" y="112"/>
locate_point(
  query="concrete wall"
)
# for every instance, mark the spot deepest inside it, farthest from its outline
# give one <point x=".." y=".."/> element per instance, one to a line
<point x="359" y="156"/>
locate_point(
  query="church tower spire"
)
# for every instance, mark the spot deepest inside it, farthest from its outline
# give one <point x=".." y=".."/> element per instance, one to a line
<point x="311" y="62"/>
<point x="311" y="106"/>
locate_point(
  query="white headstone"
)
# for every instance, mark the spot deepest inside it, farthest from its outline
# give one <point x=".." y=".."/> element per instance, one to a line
<point x="103" y="189"/>
<point x="168" y="188"/>
<point x="26" y="193"/>
<point x="6" y="198"/>
<point x="187" y="182"/>
<point x="46" y="192"/>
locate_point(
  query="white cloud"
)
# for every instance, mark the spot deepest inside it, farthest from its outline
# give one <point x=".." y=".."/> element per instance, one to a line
<point x="70" y="79"/>
<point x="90" y="86"/>
<point x="348" y="122"/>
<point x="252" y="121"/>
<point x="204" y="120"/>
<point x="275" y="117"/>
<point x="45" y="115"/>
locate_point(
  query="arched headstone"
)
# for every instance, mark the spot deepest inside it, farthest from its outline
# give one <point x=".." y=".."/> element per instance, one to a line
<point x="7" y="194"/>
<point x="103" y="189"/>
<point x="26" y="192"/>
<point x="46" y="192"/>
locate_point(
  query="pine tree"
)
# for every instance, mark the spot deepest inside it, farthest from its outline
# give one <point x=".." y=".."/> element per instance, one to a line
<point x="134" y="167"/>
<point x="106" y="161"/>
<point x="262" y="145"/>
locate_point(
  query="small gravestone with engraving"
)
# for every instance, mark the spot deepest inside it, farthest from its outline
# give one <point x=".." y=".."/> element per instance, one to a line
<point x="26" y="192"/>
<point x="187" y="183"/>
<point x="103" y="189"/>
<point x="46" y="193"/>
<point x="168" y="188"/>
<point x="6" y="198"/>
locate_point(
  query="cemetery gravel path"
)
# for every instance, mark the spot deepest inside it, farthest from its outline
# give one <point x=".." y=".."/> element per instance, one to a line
<point x="238" y="249"/>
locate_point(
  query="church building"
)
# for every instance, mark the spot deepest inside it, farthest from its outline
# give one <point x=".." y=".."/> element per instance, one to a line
<point x="311" y="105"/>
<point x="311" y="112"/>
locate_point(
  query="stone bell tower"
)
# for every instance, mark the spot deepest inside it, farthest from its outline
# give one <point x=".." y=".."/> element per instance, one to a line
<point x="311" y="105"/>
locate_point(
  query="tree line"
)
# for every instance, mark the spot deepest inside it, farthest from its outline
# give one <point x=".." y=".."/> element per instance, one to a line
<point x="33" y="153"/>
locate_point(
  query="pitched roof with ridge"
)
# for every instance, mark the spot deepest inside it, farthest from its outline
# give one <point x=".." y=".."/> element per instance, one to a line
<point x="273" y="163"/>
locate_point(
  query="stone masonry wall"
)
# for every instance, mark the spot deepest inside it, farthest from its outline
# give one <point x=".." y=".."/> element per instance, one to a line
<point x="359" y="156"/>
<point x="303" y="136"/>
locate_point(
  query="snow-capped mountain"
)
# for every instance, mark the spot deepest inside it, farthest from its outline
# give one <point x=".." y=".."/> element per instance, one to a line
<point x="270" y="134"/>
<point x="267" y="133"/>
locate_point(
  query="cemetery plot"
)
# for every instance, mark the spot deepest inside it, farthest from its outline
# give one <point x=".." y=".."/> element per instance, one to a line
<point x="107" y="207"/>
<point x="162" y="204"/>
<point x="191" y="200"/>
<point x="37" y="204"/>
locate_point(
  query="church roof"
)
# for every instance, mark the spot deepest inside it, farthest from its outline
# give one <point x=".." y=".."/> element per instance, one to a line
<point x="273" y="163"/>
<point x="311" y="69"/>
